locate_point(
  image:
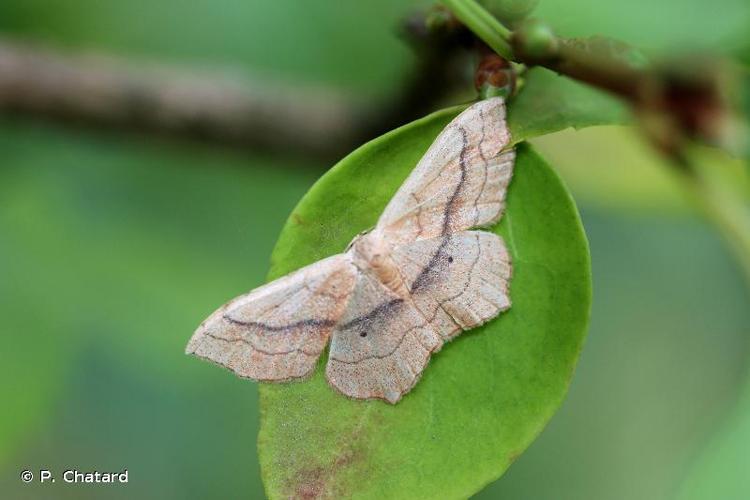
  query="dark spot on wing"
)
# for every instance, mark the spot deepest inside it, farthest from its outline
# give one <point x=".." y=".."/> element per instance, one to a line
<point x="377" y="314"/>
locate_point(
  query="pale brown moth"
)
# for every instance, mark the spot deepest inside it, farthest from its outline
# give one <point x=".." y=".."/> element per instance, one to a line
<point x="400" y="291"/>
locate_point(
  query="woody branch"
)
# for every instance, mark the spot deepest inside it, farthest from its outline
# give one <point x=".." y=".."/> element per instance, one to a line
<point x="213" y="106"/>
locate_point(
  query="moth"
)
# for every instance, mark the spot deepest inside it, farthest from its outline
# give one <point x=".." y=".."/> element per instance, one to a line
<point x="399" y="291"/>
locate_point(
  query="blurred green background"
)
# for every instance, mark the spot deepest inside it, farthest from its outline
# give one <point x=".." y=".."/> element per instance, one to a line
<point x="114" y="246"/>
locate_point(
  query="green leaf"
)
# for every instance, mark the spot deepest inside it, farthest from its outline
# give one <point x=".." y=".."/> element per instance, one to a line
<point x="550" y="103"/>
<point x="485" y="396"/>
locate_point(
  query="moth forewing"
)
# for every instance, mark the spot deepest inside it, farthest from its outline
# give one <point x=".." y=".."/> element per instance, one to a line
<point x="278" y="331"/>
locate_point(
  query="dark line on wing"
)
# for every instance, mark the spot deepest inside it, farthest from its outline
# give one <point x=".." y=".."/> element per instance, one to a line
<point x="472" y="268"/>
<point x="381" y="309"/>
<point x="283" y="328"/>
<point x="258" y="349"/>
<point x="424" y="275"/>
<point x="390" y="353"/>
<point x="462" y="165"/>
<point x="486" y="173"/>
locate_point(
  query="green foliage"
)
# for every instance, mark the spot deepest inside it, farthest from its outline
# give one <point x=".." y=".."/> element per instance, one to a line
<point x="548" y="103"/>
<point x="485" y="396"/>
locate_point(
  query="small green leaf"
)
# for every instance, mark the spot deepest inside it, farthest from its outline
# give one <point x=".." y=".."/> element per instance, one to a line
<point x="549" y="103"/>
<point x="484" y="397"/>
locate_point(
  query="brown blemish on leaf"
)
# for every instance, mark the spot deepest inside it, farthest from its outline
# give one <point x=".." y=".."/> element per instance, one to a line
<point x="310" y="483"/>
<point x="320" y="482"/>
<point x="297" y="219"/>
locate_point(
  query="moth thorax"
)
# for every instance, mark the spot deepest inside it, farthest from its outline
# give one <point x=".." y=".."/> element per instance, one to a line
<point x="374" y="255"/>
<point x="384" y="268"/>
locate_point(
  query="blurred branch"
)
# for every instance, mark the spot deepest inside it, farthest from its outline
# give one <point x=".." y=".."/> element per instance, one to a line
<point x="676" y="102"/>
<point x="533" y="43"/>
<point x="687" y="91"/>
<point x="728" y="212"/>
<point x="106" y="92"/>
<point x="227" y="109"/>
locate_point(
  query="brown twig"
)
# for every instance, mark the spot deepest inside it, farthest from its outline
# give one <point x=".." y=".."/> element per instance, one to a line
<point x="217" y="107"/>
<point x="103" y="91"/>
